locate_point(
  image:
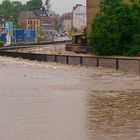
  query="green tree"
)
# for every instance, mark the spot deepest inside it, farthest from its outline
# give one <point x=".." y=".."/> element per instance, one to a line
<point x="105" y="4"/>
<point x="34" y="5"/>
<point x="6" y="8"/>
<point x="17" y="7"/>
<point x="116" y="31"/>
<point x="10" y="10"/>
<point x="41" y="35"/>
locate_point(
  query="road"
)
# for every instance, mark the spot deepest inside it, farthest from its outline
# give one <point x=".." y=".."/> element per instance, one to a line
<point x="62" y="38"/>
<point x="55" y="49"/>
<point x="45" y="101"/>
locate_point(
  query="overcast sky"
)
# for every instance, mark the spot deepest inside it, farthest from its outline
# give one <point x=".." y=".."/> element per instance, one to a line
<point x="65" y="5"/>
<point x="61" y="6"/>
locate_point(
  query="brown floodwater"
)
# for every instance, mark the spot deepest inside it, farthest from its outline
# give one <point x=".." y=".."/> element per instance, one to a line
<point x="44" y="101"/>
<point x="114" y="117"/>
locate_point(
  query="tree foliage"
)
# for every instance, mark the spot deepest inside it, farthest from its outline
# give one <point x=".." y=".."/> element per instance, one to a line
<point x="41" y="35"/>
<point x="116" y="30"/>
<point x="33" y="5"/>
<point x="11" y="10"/>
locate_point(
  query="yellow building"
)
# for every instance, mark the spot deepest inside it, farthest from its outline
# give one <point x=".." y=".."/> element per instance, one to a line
<point x="28" y="20"/>
<point x="38" y="20"/>
<point x="93" y="7"/>
<point x="33" y="24"/>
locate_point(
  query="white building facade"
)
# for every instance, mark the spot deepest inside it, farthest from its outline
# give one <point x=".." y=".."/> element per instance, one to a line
<point x="67" y="25"/>
<point x="66" y="22"/>
<point x="79" y="17"/>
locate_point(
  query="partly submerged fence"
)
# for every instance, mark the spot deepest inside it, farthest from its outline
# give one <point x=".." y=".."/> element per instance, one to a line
<point x="130" y="65"/>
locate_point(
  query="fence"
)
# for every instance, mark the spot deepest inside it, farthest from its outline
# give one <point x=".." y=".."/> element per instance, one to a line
<point x="131" y="65"/>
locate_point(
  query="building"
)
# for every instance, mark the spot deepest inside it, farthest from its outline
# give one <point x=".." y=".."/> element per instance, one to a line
<point x="43" y="19"/>
<point x="2" y="24"/>
<point x="47" y="21"/>
<point x="29" y="20"/>
<point x="38" y="19"/>
<point x="52" y="22"/>
<point x="58" y="23"/>
<point x="79" y="17"/>
<point x="66" y="20"/>
<point x="93" y="7"/>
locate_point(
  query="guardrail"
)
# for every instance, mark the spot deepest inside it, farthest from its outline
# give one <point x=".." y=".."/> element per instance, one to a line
<point x="130" y="65"/>
<point x="34" y="45"/>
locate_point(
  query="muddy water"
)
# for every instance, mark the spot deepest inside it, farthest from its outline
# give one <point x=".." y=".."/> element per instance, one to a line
<point x="114" y="117"/>
<point x="41" y="101"/>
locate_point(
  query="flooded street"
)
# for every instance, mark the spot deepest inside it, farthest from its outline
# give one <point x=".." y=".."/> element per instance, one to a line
<point x="48" y="101"/>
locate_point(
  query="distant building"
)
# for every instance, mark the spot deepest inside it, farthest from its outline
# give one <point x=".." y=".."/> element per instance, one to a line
<point x="51" y="21"/>
<point x="29" y="20"/>
<point x="2" y="24"/>
<point x="47" y="21"/>
<point x="79" y="17"/>
<point x="66" y="19"/>
<point x="93" y="7"/>
<point x="43" y="19"/>
<point x="38" y="19"/>
<point x="58" y="23"/>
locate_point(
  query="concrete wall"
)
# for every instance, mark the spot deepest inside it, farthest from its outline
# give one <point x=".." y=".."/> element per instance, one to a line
<point x="130" y="65"/>
<point x="72" y="60"/>
<point x="89" y="61"/>
<point x="50" y="58"/>
<point x="62" y="59"/>
<point x="107" y="63"/>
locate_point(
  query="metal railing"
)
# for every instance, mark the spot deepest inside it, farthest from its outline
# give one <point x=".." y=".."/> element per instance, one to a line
<point x="131" y="65"/>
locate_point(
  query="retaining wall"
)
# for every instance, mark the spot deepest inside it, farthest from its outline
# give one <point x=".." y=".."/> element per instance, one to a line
<point x="131" y="65"/>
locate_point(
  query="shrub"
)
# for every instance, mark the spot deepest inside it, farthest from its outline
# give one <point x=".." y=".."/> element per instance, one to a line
<point x="133" y="51"/>
<point x="116" y="30"/>
<point x="1" y="43"/>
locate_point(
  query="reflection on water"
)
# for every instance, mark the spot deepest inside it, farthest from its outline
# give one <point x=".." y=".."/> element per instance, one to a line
<point x="114" y="117"/>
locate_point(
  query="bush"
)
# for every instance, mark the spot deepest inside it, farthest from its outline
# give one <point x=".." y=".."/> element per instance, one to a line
<point x="133" y="51"/>
<point x="1" y="43"/>
<point x="116" y="30"/>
